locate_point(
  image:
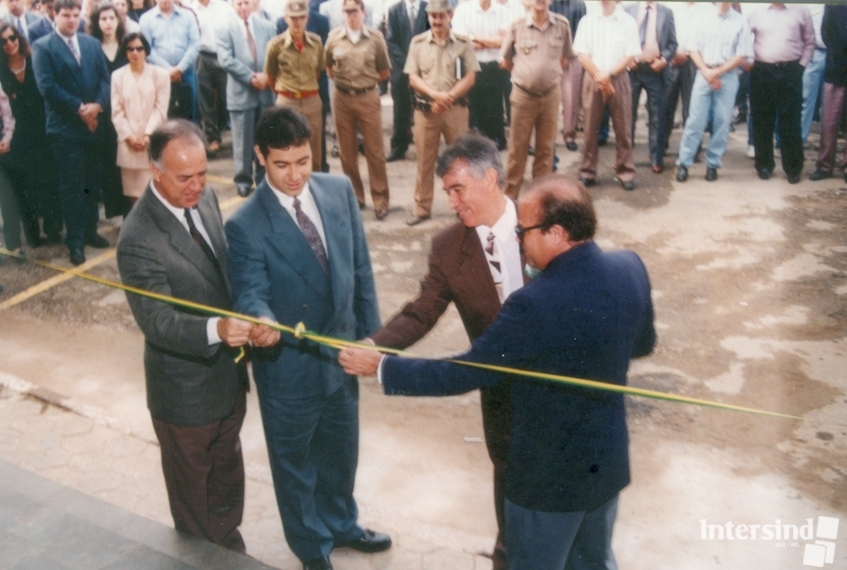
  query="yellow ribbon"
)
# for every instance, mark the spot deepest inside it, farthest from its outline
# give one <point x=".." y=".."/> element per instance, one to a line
<point x="300" y="332"/>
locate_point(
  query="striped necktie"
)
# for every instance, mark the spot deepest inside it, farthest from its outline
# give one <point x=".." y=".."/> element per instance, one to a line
<point x="493" y="255"/>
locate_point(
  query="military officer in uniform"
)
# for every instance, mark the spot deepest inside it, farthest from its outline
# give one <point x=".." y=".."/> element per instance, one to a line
<point x="357" y="60"/>
<point x="441" y="68"/>
<point x="294" y="61"/>
<point x="536" y="51"/>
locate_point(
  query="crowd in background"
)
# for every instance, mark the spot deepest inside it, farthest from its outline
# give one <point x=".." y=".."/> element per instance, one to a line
<point x="85" y="84"/>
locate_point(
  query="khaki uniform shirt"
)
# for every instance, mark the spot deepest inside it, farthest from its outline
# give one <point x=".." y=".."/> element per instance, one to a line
<point x="437" y="64"/>
<point x="356" y="66"/>
<point x="537" y="52"/>
<point x="295" y="71"/>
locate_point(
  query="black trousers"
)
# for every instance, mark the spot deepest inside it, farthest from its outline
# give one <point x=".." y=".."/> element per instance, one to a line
<point x="777" y="88"/>
<point x="680" y="82"/>
<point x="80" y="186"/>
<point x="642" y="77"/>
<point x="486" y="102"/>
<point x="211" y="88"/>
<point x="402" y="96"/>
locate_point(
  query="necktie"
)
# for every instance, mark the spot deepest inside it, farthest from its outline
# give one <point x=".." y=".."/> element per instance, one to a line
<point x="198" y="238"/>
<point x="642" y="31"/>
<point x="73" y="51"/>
<point x="250" y="42"/>
<point x="413" y="15"/>
<point x="22" y="29"/>
<point x="310" y="232"/>
<point x="494" y="260"/>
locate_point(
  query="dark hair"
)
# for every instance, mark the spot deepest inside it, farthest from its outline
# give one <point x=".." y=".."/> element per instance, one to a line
<point x="131" y="38"/>
<point x="479" y="151"/>
<point x="564" y="201"/>
<point x="23" y="45"/>
<point x="281" y="127"/>
<point x="59" y="5"/>
<point x="94" y="21"/>
<point x="168" y="131"/>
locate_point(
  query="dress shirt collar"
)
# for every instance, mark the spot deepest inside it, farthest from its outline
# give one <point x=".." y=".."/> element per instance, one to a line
<point x="66" y="38"/>
<point x="289" y="41"/>
<point x="431" y="38"/>
<point x="530" y="21"/>
<point x="504" y="228"/>
<point x="287" y="201"/>
<point x="178" y="212"/>
<point x="357" y="35"/>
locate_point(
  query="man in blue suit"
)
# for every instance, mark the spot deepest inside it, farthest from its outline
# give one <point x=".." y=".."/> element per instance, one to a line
<point x="71" y="73"/>
<point x="585" y="315"/>
<point x="31" y="25"/>
<point x="241" y="52"/>
<point x="298" y="254"/>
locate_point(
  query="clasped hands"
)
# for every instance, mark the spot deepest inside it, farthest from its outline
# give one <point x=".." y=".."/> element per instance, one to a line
<point x="441" y="101"/>
<point x="712" y="77"/>
<point x="88" y="112"/>
<point x="238" y="333"/>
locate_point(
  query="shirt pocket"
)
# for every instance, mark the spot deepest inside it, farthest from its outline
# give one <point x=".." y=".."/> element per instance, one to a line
<point x="556" y="46"/>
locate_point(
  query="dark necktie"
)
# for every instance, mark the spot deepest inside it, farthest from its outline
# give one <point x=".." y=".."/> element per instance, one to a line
<point x="74" y="52"/>
<point x="494" y="260"/>
<point x="310" y="232"/>
<point x="251" y="43"/>
<point x="642" y="31"/>
<point x="198" y="238"/>
<point x="413" y="15"/>
<point x="22" y="28"/>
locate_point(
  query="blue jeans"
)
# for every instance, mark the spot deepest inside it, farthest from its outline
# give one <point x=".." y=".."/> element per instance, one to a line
<point x="580" y="540"/>
<point x="812" y="82"/>
<point x="705" y="101"/>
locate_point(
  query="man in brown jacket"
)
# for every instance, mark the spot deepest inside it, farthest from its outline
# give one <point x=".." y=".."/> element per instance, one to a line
<point x="476" y="264"/>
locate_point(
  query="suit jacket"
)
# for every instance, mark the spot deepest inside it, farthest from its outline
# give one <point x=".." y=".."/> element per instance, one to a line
<point x="37" y="26"/>
<point x="235" y="57"/>
<point x="275" y="274"/>
<point x="138" y="107"/>
<point x="458" y="272"/>
<point x="665" y="28"/>
<point x="189" y="382"/>
<point x="586" y="315"/>
<point x="65" y="85"/>
<point x="399" y="34"/>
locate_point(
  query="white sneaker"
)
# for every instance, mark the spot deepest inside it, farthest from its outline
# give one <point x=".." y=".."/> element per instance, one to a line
<point x="751" y="151"/>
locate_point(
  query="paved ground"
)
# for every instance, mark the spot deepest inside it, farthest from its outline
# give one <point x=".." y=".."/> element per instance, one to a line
<point x="749" y="280"/>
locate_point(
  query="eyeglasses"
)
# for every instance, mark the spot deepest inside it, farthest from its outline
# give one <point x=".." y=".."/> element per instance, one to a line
<point x="520" y="231"/>
<point x="12" y="38"/>
<point x="134" y="48"/>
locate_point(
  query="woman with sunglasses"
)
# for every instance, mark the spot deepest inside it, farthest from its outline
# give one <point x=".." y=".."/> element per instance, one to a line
<point x="107" y="26"/>
<point x="140" y="95"/>
<point x="29" y="163"/>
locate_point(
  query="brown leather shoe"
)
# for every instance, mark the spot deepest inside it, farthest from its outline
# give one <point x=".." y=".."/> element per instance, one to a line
<point x="415" y="220"/>
<point x="381" y="213"/>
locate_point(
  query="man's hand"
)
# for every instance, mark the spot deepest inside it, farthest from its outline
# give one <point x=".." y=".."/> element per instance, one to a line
<point x="259" y="81"/>
<point x="262" y="336"/>
<point x="604" y="82"/>
<point x="176" y="75"/>
<point x="658" y="64"/>
<point x="359" y="361"/>
<point x="234" y="332"/>
<point x="443" y="98"/>
<point x="716" y="84"/>
<point x="679" y="58"/>
<point x="89" y="112"/>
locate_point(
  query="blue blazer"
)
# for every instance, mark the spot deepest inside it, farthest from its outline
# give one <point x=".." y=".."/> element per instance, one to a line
<point x="585" y="316"/>
<point x="275" y="274"/>
<point x="65" y="85"/>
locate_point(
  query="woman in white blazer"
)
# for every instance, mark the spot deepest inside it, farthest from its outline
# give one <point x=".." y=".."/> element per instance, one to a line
<point x="140" y="95"/>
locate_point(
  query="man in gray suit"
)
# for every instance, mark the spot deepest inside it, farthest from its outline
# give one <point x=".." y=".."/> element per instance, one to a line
<point x="241" y="52"/>
<point x="172" y="243"/>
<point x="31" y="25"/>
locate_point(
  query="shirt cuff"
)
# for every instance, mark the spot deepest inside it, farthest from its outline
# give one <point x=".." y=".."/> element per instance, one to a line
<point x="212" y="331"/>
<point x="379" y="370"/>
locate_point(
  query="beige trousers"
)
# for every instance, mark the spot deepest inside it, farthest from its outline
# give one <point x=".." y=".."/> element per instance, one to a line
<point x="312" y="109"/>
<point x="429" y="127"/>
<point x="529" y="112"/>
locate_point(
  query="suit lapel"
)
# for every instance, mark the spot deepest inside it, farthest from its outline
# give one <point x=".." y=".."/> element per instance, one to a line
<point x="212" y="223"/>
<point x="420" y="25"/>
<point x="332" y="216"/>
<point x="61" y="48"/>
<point x="291" y="244"/>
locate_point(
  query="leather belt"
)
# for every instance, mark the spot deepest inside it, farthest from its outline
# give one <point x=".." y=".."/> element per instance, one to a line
<point x="298" y="94"/>
<point x="533" y="93"/>
<point x="354" y="91"/>
<point x="778" y="63"/>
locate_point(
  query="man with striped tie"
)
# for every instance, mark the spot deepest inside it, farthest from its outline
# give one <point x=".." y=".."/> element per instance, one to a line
<point x="476" y="264"/>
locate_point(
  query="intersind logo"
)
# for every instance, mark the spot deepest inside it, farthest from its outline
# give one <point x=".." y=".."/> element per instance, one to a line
<point x="816" y="554"/>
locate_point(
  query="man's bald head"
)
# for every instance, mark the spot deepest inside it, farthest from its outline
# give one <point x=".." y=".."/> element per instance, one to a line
<point x="561" y="200"/>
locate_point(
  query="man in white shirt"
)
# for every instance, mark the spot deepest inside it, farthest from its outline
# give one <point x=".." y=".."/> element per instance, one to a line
<point x="485" y="22"/>
<point x="607" y="83"/>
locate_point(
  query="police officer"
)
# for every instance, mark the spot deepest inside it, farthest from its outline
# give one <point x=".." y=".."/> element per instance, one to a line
<point x="294" y="61"/>
<point x="535" y="51"/>
<point x="357" y="60"/>
<point x="442" y="68"/>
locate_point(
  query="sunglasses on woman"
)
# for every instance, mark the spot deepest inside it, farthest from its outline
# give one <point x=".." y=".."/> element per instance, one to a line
<point x="135" y="48"/>
<point x="12" y="38"/>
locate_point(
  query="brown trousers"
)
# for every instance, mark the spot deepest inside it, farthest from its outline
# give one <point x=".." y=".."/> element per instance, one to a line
<point x="831" y="113"/>
<point x="312" y="109"/>
<point x="204" y="475"/>
<point x="354" y="112"/>
<point x="620" y="108"/>
<point x="528" y="112"/>
<point x="571" y="91"/>
<point x="429" y="127"/>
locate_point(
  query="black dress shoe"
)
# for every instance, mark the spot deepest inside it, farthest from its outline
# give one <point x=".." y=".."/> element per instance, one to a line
<point x="571" y="146"/>
<point x="77" y="256"/>
<point x="681" y="173"/>
<point x="531" y="151"/>
<point x="96" y="241"/>
<point x="586" y="181"/>
<point x="627" y="185"/>
<point x="711" y="173"/>
<point x="370" y="541"/>
<point x="243" y="190"/>
<point x="321" y="563"/>
<point x="764" y="174"/>
<point x="395" y="155"/>
<point x="819" y="175"/>
<point x="602" y="142"/>
<point x="793" y="178"/>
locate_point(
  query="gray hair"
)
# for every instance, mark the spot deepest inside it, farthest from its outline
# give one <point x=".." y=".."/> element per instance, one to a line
<point x="167" y="132"/>
<point x="478" y="151"/>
